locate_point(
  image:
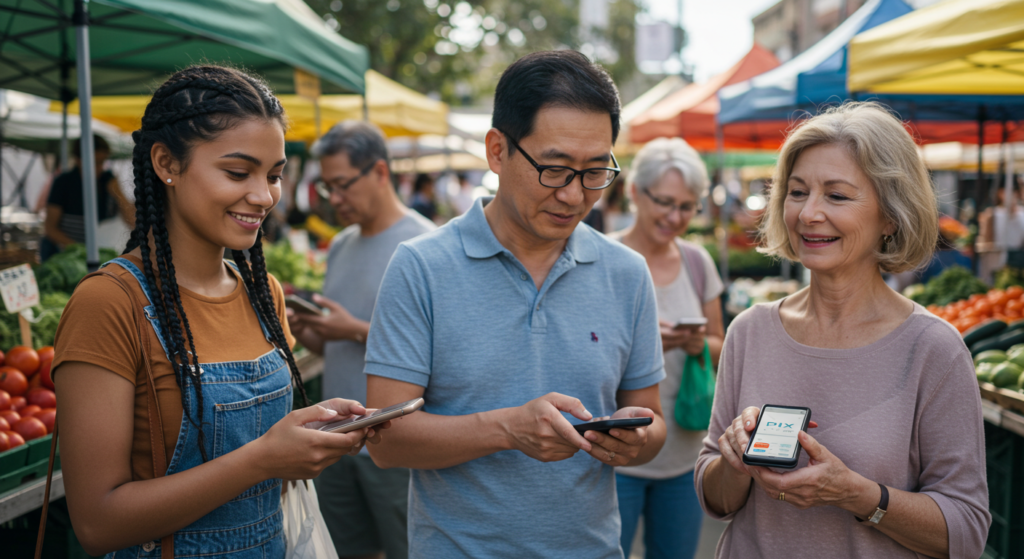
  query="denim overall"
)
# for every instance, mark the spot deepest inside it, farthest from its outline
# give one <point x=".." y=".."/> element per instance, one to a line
<point x="241" y="401"/>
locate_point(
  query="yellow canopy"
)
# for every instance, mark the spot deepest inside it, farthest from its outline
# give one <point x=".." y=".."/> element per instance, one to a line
<point x="960" y="47"/>
<point x="398" y="110"/>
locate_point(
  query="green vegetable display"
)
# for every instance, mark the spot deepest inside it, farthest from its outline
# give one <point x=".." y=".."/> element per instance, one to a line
<point x="951" y="285"/>
<point x="292" y="267"/>
<point x="1009" y="276"/>
<point x="48" y="312"/>
<point x="63" y="271"/>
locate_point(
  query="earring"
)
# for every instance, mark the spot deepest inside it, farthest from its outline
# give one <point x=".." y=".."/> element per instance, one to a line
<point x="168" y="181"/>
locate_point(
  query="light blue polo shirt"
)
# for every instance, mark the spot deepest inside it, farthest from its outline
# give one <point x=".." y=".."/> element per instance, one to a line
<point x="458" y="314"/>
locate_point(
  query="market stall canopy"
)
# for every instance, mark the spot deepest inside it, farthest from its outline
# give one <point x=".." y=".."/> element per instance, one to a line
<point x="816" y="76"/>
<point x="136" y="43"/>
<point x="396" y="109"/>
<point x="963" y="47"/>
<point x="640" y="105"/>
<point x="691" y="112"/>
<point x="29" y="124"/>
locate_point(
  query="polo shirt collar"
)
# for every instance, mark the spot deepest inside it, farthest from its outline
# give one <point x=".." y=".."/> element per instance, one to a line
<point x="479" y="241"/>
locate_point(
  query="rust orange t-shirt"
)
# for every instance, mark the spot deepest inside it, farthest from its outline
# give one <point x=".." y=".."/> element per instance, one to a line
<point x="98" y="327"/>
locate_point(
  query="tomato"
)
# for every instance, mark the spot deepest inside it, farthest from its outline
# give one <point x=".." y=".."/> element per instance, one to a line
<point x="23" y="358"/>
<point x="28" y="411"/>
<point x="5" y="400"/>
<point x="4" y="426"/>
<point x="42" y="397"/>
<point x="45" y="379"/>
<point x="13" y="381"/>
<point x="5" y="443"/>
<point x="30" y="428"/>
<point x="11" y="416"/>
<point x="14" y="438"/>
<point x="974" y="298"/>
<point x="1" y="359"/>
<point x="1015" y="291"/>
<point x="47" y="416"/>
<point x="18" y="402"/>
<point x="45" y="353"/>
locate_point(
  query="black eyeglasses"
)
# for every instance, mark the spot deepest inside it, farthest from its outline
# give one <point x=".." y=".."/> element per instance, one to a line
<point x="325" y="189"/>
<point x="557" y="176"/>
<point x="668" y="207"/>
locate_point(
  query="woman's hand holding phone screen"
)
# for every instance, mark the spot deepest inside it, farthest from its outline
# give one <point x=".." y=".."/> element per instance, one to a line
<point x="733" y="443"/>
<point x="292" y="450"/>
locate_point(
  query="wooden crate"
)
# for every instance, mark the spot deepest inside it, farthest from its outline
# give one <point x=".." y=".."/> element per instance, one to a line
<point x="1009" y="399"/>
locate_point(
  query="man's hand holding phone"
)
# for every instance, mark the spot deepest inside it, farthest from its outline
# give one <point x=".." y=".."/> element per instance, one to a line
<point x="619" y="446"/>
<point x="338" y="324"/>
<point x="539" y="430"/>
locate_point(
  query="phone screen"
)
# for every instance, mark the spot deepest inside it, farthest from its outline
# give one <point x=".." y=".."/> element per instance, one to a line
<point x="776" y="433"/>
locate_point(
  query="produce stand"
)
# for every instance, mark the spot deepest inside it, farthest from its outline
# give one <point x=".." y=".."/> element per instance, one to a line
<point x="1004" y="458"/>
<point x="20" y="504"/>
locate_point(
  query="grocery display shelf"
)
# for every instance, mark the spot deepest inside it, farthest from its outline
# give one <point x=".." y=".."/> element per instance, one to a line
<point x="1001" y="417"/>
<point x="29" y="497"/>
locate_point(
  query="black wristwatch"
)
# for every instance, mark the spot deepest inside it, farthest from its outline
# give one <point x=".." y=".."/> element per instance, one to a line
<point x="883" y="505"/>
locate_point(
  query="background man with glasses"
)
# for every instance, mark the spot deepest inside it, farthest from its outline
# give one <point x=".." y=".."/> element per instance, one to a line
<point x="509" y="321"/>
<point x="363" y="505"/>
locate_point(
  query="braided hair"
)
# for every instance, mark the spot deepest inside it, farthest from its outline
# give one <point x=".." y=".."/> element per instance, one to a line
<point x="196" y="105"/>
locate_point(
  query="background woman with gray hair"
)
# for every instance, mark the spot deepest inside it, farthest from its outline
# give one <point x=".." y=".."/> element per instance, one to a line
<point x="667" y="181"/>
<point x="896" y="466"/>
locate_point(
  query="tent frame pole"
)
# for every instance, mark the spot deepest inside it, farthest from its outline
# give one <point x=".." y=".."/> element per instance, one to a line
<point x="81" y="23"/>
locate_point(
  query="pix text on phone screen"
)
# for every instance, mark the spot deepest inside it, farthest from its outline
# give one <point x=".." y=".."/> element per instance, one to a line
<point x="776" y="435"/>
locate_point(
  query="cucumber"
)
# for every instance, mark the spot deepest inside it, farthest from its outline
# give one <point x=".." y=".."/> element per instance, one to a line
<point x="984" y="331"/>
<point x="984" y="371"/>
<point x="1016" y="325"/>
<point x="1006" y="375"/>
<point x="1003" y="341"/>
<point x="994" y="356"/>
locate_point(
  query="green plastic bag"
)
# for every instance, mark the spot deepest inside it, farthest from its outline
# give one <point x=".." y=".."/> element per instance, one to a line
<point x="696" y="393"/>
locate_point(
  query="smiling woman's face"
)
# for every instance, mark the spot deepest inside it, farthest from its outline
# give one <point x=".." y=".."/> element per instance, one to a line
<point x="832" y="211"/>
<point x="229" y="186"/>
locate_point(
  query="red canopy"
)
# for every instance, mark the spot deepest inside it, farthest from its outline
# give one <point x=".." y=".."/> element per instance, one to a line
<point x="770" y="134"/>
<point x="691" y="112"/>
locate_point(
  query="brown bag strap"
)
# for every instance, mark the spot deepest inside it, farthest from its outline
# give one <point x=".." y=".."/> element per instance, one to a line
<point x="156" y="430"/>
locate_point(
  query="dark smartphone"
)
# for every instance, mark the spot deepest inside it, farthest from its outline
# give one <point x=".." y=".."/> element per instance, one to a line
<point x="305" y="294"/>
<point x="774" y="443"/>
<point x="300" y="305"/>
<point x="606" y="425"/>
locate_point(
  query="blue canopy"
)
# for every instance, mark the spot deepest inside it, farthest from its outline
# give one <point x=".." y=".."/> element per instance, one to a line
<point x="816" y="76"/>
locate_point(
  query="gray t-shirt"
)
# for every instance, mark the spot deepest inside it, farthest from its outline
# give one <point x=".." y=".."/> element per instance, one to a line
<point x="355" y="268"/>
<point x="903" y="411"/>
<point x="675" y="301"/>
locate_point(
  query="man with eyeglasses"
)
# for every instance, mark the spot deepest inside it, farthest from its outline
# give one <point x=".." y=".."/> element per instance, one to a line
<point x="513" y="322"/>
<point x="365" y="507"/>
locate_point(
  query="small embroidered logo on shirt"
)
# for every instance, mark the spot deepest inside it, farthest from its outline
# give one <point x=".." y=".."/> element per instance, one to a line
<point x="593" y="337"/>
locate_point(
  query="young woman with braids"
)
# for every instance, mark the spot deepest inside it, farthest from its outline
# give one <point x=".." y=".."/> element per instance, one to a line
<point x="207" y="161"/>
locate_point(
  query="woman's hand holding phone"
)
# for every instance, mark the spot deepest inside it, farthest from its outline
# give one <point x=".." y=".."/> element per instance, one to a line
<point x="690" y="338"/>
<point x="733" y="443"/>
<point x="290" y="450"/>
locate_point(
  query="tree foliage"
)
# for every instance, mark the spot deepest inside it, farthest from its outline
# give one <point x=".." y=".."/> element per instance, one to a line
<point x="458" y="48"/>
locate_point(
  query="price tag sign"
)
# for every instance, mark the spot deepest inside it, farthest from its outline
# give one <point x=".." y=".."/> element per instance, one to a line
<point x="18" y="288"/>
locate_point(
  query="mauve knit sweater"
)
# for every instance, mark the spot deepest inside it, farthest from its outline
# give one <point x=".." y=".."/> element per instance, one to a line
<point x="904" y="411"/>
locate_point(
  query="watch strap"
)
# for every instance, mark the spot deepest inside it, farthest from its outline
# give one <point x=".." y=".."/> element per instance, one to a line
<point x="883" y="507"/>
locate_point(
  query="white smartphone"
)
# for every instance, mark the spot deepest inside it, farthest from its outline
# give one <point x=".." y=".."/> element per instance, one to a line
<point x="691" y="322"/>
<point x="373" y="418"/>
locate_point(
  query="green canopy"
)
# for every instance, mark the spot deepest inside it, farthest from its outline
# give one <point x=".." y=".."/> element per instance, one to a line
<point x="135" y="44"/>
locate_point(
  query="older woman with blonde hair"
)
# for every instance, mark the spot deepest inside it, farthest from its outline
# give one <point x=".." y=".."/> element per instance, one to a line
<point x="667" y="181"/>
<point x="896" y="465"/>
